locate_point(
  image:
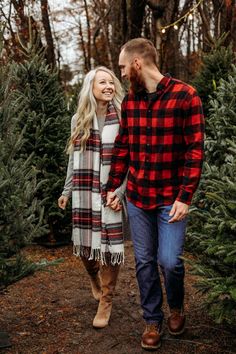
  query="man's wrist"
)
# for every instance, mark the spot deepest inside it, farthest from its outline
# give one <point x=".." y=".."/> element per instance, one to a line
<point x="184" y="197"/>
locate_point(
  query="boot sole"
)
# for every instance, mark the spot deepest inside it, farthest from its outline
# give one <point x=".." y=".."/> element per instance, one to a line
<point x="100" y="327"/>
<point x="177" y="333"/>
<point x="148" y="347"/>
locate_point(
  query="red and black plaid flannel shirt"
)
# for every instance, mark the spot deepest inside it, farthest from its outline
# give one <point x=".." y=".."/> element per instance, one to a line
<point x="160" y="142"/>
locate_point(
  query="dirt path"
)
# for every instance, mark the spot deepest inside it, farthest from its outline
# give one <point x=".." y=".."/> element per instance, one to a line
<point x="51" y="312"/>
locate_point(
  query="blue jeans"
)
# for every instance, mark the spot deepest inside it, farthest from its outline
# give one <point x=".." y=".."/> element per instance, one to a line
<point x="157" y="242"/>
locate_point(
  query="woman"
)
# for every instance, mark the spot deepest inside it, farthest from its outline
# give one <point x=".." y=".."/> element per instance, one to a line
<point x="97" y="229"/>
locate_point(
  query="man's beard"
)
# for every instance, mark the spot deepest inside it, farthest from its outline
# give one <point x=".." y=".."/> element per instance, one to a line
<point x="136" y="82"/>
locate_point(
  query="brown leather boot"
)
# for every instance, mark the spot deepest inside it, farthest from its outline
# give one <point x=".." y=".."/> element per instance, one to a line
<point x="151" y="338"/>
<point x="92" y="268"/>
<point x="176" y="322"/>
<point x="109" y="276"/>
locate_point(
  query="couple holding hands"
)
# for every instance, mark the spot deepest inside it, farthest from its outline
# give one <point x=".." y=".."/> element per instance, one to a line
<point x="148" y="146"/>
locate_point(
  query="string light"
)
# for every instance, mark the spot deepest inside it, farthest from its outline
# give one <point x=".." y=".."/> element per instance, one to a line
<point x="188" y="15"/>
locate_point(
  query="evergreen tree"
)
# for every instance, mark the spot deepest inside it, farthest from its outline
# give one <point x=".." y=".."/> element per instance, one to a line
<point x="20" y="213"/>
<point x="46" y="126"/>
<point x="215" y="66"/>
<point x="213" y="228"/>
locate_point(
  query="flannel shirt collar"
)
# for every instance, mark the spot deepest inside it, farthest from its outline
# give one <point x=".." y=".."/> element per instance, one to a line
<point x="165" y="81"/>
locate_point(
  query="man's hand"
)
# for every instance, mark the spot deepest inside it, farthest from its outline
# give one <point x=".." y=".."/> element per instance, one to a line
<point x="178" y="211"/>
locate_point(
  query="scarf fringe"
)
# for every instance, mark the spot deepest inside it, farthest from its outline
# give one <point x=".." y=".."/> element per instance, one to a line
<point x="97" y="255"/>
<point x="117" y="258"/>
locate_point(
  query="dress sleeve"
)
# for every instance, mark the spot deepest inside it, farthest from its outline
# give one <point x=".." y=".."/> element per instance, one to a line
<point x="120" y="191"/>
<point x="67" y="190"/>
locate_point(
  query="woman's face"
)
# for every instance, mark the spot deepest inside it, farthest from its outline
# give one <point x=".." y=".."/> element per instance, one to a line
<point x="103" y="86"/>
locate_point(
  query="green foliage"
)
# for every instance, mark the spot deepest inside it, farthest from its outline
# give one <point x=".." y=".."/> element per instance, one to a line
<point x="33" y="131"/>
<point x="216" y="66"/>
<point x="213" y="226"/>
<point x="20" y="213"/>
<point x="46" y="126"/>
<point x="16" y="268"/>
<point x="19" y="209"/>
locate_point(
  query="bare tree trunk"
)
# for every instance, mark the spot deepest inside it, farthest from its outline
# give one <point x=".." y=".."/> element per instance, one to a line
<point x="21" y="28"/>
<point x="233" y="26"/>
<point x="89" y="36"/>
<point x="229" y="21"/>
<point x="50" y="54"/>
<point x="157" y="14"/>
<point x="109" y="46"/>
<point x="83" y="47"/>
<point x="188" y="50"/>
<point x="170" y="43"/>
<point x="118" y="20"/>
<point x="136" y="14"/>
<point x="124" y="21"/>
<point x="205" y="17"/>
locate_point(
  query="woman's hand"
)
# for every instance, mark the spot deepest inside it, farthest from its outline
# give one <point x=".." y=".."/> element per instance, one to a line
<point x="116" y="204"/>
<point x="62" y="201"/>
<point x="113" y="202"/>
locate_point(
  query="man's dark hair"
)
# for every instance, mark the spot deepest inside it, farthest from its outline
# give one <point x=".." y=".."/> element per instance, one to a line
<point x="143" y="47"/>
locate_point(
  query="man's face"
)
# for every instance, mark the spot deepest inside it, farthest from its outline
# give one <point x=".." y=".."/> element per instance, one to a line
<point x="131" y="70"/>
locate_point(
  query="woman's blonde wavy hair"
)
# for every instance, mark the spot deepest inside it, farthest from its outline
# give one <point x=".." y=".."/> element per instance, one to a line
<point x="87" y="107"/>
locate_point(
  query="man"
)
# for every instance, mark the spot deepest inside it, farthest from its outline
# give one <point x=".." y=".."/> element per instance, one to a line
<point x="160" y="145"/>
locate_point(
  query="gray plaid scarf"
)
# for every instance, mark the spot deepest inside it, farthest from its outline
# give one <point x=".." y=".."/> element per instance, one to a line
<point x="97" y="229"/>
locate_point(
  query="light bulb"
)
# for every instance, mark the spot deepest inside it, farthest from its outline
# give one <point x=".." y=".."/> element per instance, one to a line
<point x="175" y="27"/>
<point x="190" y="17"/>
<point x="163" y="30"/>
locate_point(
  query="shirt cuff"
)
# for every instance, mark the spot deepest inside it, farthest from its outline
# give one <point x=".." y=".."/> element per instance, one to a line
<point x="184" y="197"/>
<point x="66" y="193"/>
<point x="120" y="194"/>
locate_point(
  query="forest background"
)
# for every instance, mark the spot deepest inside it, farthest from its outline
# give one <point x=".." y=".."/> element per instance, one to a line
<point x="46" y="48"/>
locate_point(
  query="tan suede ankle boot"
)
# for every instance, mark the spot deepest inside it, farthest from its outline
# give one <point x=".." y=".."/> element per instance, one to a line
<point x="92" y="268"/>
<point x="109" y="276"/>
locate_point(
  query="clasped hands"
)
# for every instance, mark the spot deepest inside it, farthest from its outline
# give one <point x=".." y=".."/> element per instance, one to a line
<point x="112" y="201"/>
